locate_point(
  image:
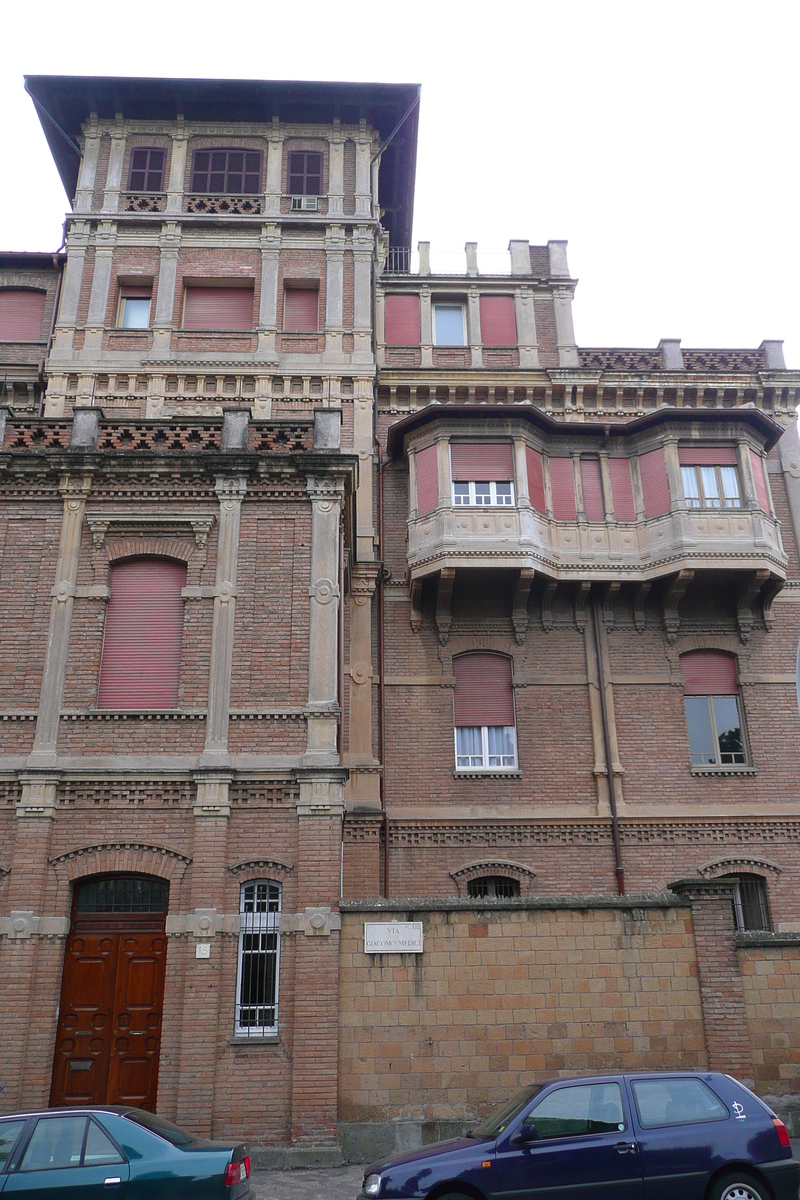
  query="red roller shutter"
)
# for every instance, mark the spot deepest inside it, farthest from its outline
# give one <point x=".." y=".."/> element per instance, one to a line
<point x="427" y="480"/>
<point x="481" y="462"/>
<point x="592" y="489"/>
<point x="535" y="479"/>
<point x="21" y="313"/>
<point x="218" y="308"/>
<point x="401" y="320"/>
<point x="760" y="482"/>
<point x="655" y="484"/>
<point x="141" y="663"/>
<point x="622" y="489"/>
<point x="498" y="323"/>
<point x="709" y="673"/>
<point x="301" y="310"/>
<point x="483" y="693"/>
<point x="135" y="293"/>
<point x="707" y="456"/>
<point x="562" y="486"/>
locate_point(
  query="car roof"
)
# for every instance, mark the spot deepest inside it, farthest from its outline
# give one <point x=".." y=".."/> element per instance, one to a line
<point x="120" y="1109"/>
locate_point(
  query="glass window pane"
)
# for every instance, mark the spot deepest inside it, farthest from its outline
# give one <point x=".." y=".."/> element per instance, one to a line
<point x="56" y="1142"/>
<point x="690" y="488"/>
<point x="483" y="493"/>
<point x="730" y="486"/>
<point x="502" y="749"/>
<point x="469" y="746"/>
<point x="460" y="493"/>
<point x="750" y="903"/>
<point x="9" y="1132"/>
<point x="449" y="325"/>
<point x="135" y="314"/>
<point x="503" y="491"/>
<point x="676" y="1102"/>
<point x="710" y="489"/>
<point x="729" y="729"/>
<point x="701" y="736"/>
<point x="571" y="1111"/>
<point x="99" y="1148"/>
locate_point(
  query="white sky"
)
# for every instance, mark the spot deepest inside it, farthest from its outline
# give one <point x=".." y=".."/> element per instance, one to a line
<point x="660" y="139"/>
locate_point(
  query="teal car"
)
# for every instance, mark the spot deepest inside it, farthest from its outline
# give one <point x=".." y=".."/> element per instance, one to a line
<point x="84" y="1153"/>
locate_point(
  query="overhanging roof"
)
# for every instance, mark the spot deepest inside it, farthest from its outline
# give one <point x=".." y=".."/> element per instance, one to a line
<point x="65" y="102"/>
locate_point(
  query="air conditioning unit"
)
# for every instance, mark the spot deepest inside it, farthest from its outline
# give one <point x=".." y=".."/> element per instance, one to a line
<point x="305" y="203"/>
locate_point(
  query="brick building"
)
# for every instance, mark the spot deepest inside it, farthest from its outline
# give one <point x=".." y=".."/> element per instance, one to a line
<point x="335" y="585"/>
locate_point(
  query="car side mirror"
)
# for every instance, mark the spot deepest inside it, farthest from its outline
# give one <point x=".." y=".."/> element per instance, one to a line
<point x="525" y="1134"/>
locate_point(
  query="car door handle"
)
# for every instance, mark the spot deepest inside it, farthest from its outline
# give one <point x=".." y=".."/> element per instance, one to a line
<point x="625" y="1147"/>
<point x="112" y="1181"/>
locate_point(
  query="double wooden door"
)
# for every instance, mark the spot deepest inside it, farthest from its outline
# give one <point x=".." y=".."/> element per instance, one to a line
<point x="112" y="999"/>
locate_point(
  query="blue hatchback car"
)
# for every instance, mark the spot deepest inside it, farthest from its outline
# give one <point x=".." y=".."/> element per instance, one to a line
<point x="681" y="1136"/>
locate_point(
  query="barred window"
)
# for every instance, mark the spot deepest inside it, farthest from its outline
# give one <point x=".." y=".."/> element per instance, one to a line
<point x="226" y="172"/>
<point x="259" y="951"/>
<point x="750" y="903"/>
<point x="493" y="887"/>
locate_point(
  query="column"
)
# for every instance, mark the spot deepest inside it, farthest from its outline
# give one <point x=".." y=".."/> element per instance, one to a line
<point x="523" y="496"/>
<point x="363" y="171"/>
<point x="268" y="306"/>
<point x="474" y="325"/>
<point x="87" y="175"/>
<point x="230" y="492"/>
<point x="673" y="466"/>
<point x="789" y="447"/>
<point x="719" y="976"/>
<point x="61" y="352"/>
<point x="363" y="446"/>
<point x="443" y="472"/>
<point x="605" y="480"/>
<point x="322" y="709"/>
<point x="336" y="171"/>
<point x="334" y="291"/>
<point x="363" y="255"/>
<point x="745" y="464"/>
<point x="274" y="170"/>
<point x="74" y="490"/>
<point x="527" y="339"/>
<point x="170" y="242"/>
<point x="565" y="334"/>
<point x="101" y="282"/>
<point x="426" y="326"/>
<point x="116" y="159"/>
<point x="177" y="169"/>
<point x="363" y="788"/>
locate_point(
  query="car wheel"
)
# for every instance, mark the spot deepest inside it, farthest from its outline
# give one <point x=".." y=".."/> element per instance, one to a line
<point x="737" y="1186"/>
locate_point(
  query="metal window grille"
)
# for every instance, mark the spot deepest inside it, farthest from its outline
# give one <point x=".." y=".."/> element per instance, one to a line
<point x="226" y="172"/>
<point x="750" y="902"/>
<point x="493" y="887"/>
<point x="122" y="894"/>
<point x="147" y="170"/>
<point x="259" y="952"/>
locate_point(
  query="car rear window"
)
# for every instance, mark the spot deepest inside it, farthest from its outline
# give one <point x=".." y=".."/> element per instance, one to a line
<point x="676" y="1102"/>
<point x="158" y="1125"/>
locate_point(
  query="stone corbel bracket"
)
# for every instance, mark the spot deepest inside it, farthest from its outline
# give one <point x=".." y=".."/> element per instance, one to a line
<point x="22" y="924"/>
<point x="122" y="522"/>
<point x="313" y="922"/>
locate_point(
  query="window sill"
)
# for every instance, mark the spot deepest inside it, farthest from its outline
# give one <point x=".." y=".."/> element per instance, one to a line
<point x="490" y="772"/>
<point x="714" y="769"/>
<point x="265" y="1039"/>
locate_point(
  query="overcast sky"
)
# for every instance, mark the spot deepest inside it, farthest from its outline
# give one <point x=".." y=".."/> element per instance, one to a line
<point x="660" y="139"/>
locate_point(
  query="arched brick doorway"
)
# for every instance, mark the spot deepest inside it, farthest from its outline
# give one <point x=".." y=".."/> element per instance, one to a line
<point x="112" y="993"/>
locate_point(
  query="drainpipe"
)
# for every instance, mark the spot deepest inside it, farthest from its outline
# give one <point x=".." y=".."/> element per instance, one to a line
<point x="619" y="870"/>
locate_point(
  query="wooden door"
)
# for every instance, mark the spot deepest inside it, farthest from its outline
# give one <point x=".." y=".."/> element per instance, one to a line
<point x="112" y="997"/>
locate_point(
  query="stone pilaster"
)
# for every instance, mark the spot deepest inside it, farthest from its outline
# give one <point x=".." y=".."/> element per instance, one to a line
<point x="363" y="257"/>
<point x="177" y="169"/>
<point x="74" y="490"/>
<point x="334" y="292"/>
<point x="116" y="159"/>
<point x="426" y="326"/>
<point x="789" y="447"/>
<point x="363" y="446"/>
<point x="336" y="171"/>
<point x="61" y="353"/>
<point x="274" y="169"/>
<point x="363" y="789"/>
<point x="230" y="492"/>
<point x="474" y="325"/>
<point x="101" y="283"/>
<point x="363" y="172"/>
<point x="565" y="333"/>
<point x="527" y="338"/>
<point x="322" y="708"/>
<point x="268" y="305"/>
<point x="87" y="175"/>
<point x="165" y="298"/>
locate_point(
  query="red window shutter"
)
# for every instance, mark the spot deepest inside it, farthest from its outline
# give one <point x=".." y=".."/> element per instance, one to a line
<point x="622" y="489"/>
<point x="481" y="462"/>
<point x="655" y="484"/>
<point x="760" y="482"/>
<point x="707" y="456"/>
<point x="535" y="479"/>
<point x="592" y="489"/>
<point x="301" y="310"/>
<point x="401" y="320"/>
<point x="135" y="293"/>
<point x="483" y="692"/>
<point x="141" y="662"/>
<point x="427" y="480"/>
<point x="218" y="308"/>
<point x="498" y="323"/>
<point x="21" y="313"/>
<point x="709" y="673"/>
<point x="562" y="486"/>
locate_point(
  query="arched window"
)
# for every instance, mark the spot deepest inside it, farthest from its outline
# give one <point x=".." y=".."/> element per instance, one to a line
<point x="493" y="887"/>
<point x="713" y="712"/>
<point x="750" y="901"/>
<point x="259" y="953"/>
<point x="122" y="894"/>
<point x="141" y="662"/>
<point x="485" y="733"/>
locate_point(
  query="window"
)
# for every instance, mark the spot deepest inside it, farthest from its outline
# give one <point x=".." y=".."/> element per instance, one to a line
<point x="493" y="887"/>
<point x="401" y="320"/>
<point x="141" y="662"/>
<point x="147" y="170"/>
<point x="56" y="1142"/>
<point x="750" y="905"/>
<point x="485" y="733"/>
<point x="21" y="315"/>
<point x="713" y="717"/>
<point x="122" y="894"/>
<point x="675" y="1102"/>
<point x="482" y="473"/>
<point x="448" y="325"/>
<point x="226" y="172"/>
<point x="305" y="173"/>
<point x="301" y="309"/>
<point x="222" y="309"/>
<point x="579" y="1111"/>
<point x="100" y="1151"/>
<point x="9" y="1132"/>
<point x="259" y="947"/>
<point x="711" y="487"/>
<point x="498" y="322"/>
<point x="134" y="307"/>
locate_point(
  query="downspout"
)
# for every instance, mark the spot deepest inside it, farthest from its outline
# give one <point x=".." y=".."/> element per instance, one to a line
<point x="619" y="870"/>
<point x="382" y="574"/>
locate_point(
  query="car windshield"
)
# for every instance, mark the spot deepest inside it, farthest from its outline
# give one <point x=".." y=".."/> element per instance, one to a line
<point x="494" y="1125"/>
<point x="165" y="1129"/>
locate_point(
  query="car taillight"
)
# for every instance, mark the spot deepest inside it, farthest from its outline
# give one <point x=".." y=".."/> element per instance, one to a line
<point x="782" y="1131"/>
<point x="237" y="1172"/>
